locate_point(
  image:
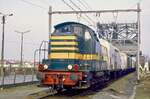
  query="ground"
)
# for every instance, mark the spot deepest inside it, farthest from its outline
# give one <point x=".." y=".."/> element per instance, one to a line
<point x="123" y="88"/>
<point x="143" y="88"/>
<point x="18" y="92"/>
<point x="120" y="89"/>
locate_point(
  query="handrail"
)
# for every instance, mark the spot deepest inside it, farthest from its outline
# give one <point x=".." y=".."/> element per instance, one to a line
<point x="43" y="42"/>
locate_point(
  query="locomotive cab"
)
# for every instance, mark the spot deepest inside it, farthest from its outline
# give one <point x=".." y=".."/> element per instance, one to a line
<point x="70" y="43"/>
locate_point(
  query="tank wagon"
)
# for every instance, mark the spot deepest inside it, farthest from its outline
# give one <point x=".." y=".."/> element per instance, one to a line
<point x="78" y="58"/>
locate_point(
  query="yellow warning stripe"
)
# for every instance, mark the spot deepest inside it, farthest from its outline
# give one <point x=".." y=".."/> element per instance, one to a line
<point x="64" y="43"/>
<point x="63" y="37"/>
<point x="74" y="56"/>
<point x="89" y="57"/>
<point x="64" y="56"/>
<point x="64" y="48"/>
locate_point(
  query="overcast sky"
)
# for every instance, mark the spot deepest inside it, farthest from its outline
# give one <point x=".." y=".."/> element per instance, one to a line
<point x="33" y="15"/>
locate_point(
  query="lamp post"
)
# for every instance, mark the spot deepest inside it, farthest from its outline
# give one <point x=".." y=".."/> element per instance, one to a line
<point x="21" y="46"/>
<point x="3" y="42"/>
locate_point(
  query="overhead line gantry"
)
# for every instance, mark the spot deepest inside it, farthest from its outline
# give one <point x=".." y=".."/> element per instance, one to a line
<point x="138" y="10"/>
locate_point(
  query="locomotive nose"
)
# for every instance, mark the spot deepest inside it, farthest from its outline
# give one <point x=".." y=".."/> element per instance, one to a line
<point x="63" y="51"/>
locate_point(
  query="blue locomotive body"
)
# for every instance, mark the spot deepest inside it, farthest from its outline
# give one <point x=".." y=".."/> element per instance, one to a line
<point x="78" y="58"/>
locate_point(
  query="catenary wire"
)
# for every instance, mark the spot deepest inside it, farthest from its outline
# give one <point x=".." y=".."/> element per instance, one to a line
<point x="33" y="4"/>
<point x="81" y="10"/>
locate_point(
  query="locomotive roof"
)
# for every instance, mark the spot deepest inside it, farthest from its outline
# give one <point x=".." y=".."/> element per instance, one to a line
<point x="69" y="23"/>
<point x="77" y="23"/>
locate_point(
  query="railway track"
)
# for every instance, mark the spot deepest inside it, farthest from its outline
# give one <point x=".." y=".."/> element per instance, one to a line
<point x="45" y="94"/>
<point x="42" y="94"/>
<point x="72" y="94"/>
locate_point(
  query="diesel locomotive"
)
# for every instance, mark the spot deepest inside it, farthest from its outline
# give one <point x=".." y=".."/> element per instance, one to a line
<point x="78" y="58"/>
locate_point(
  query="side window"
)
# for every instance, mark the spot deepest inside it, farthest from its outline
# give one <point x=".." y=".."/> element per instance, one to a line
<point x="87" y="35"/>
<point x="78" y="31"/>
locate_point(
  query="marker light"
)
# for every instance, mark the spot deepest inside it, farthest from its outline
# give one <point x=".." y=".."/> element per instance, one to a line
<point x="69" y="67"/>
<point x="45" y="66"/>
<point x="76" y="67"/>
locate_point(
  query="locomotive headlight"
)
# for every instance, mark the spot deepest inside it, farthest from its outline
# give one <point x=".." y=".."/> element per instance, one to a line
<point x="69" y="67"/>
<point x="45" y="66"/>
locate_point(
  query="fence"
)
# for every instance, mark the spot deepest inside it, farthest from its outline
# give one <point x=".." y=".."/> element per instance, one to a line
<point x="15" y="74"/>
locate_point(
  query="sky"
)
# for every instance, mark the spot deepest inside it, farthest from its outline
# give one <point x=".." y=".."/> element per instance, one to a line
<point x="33" y="15"/>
